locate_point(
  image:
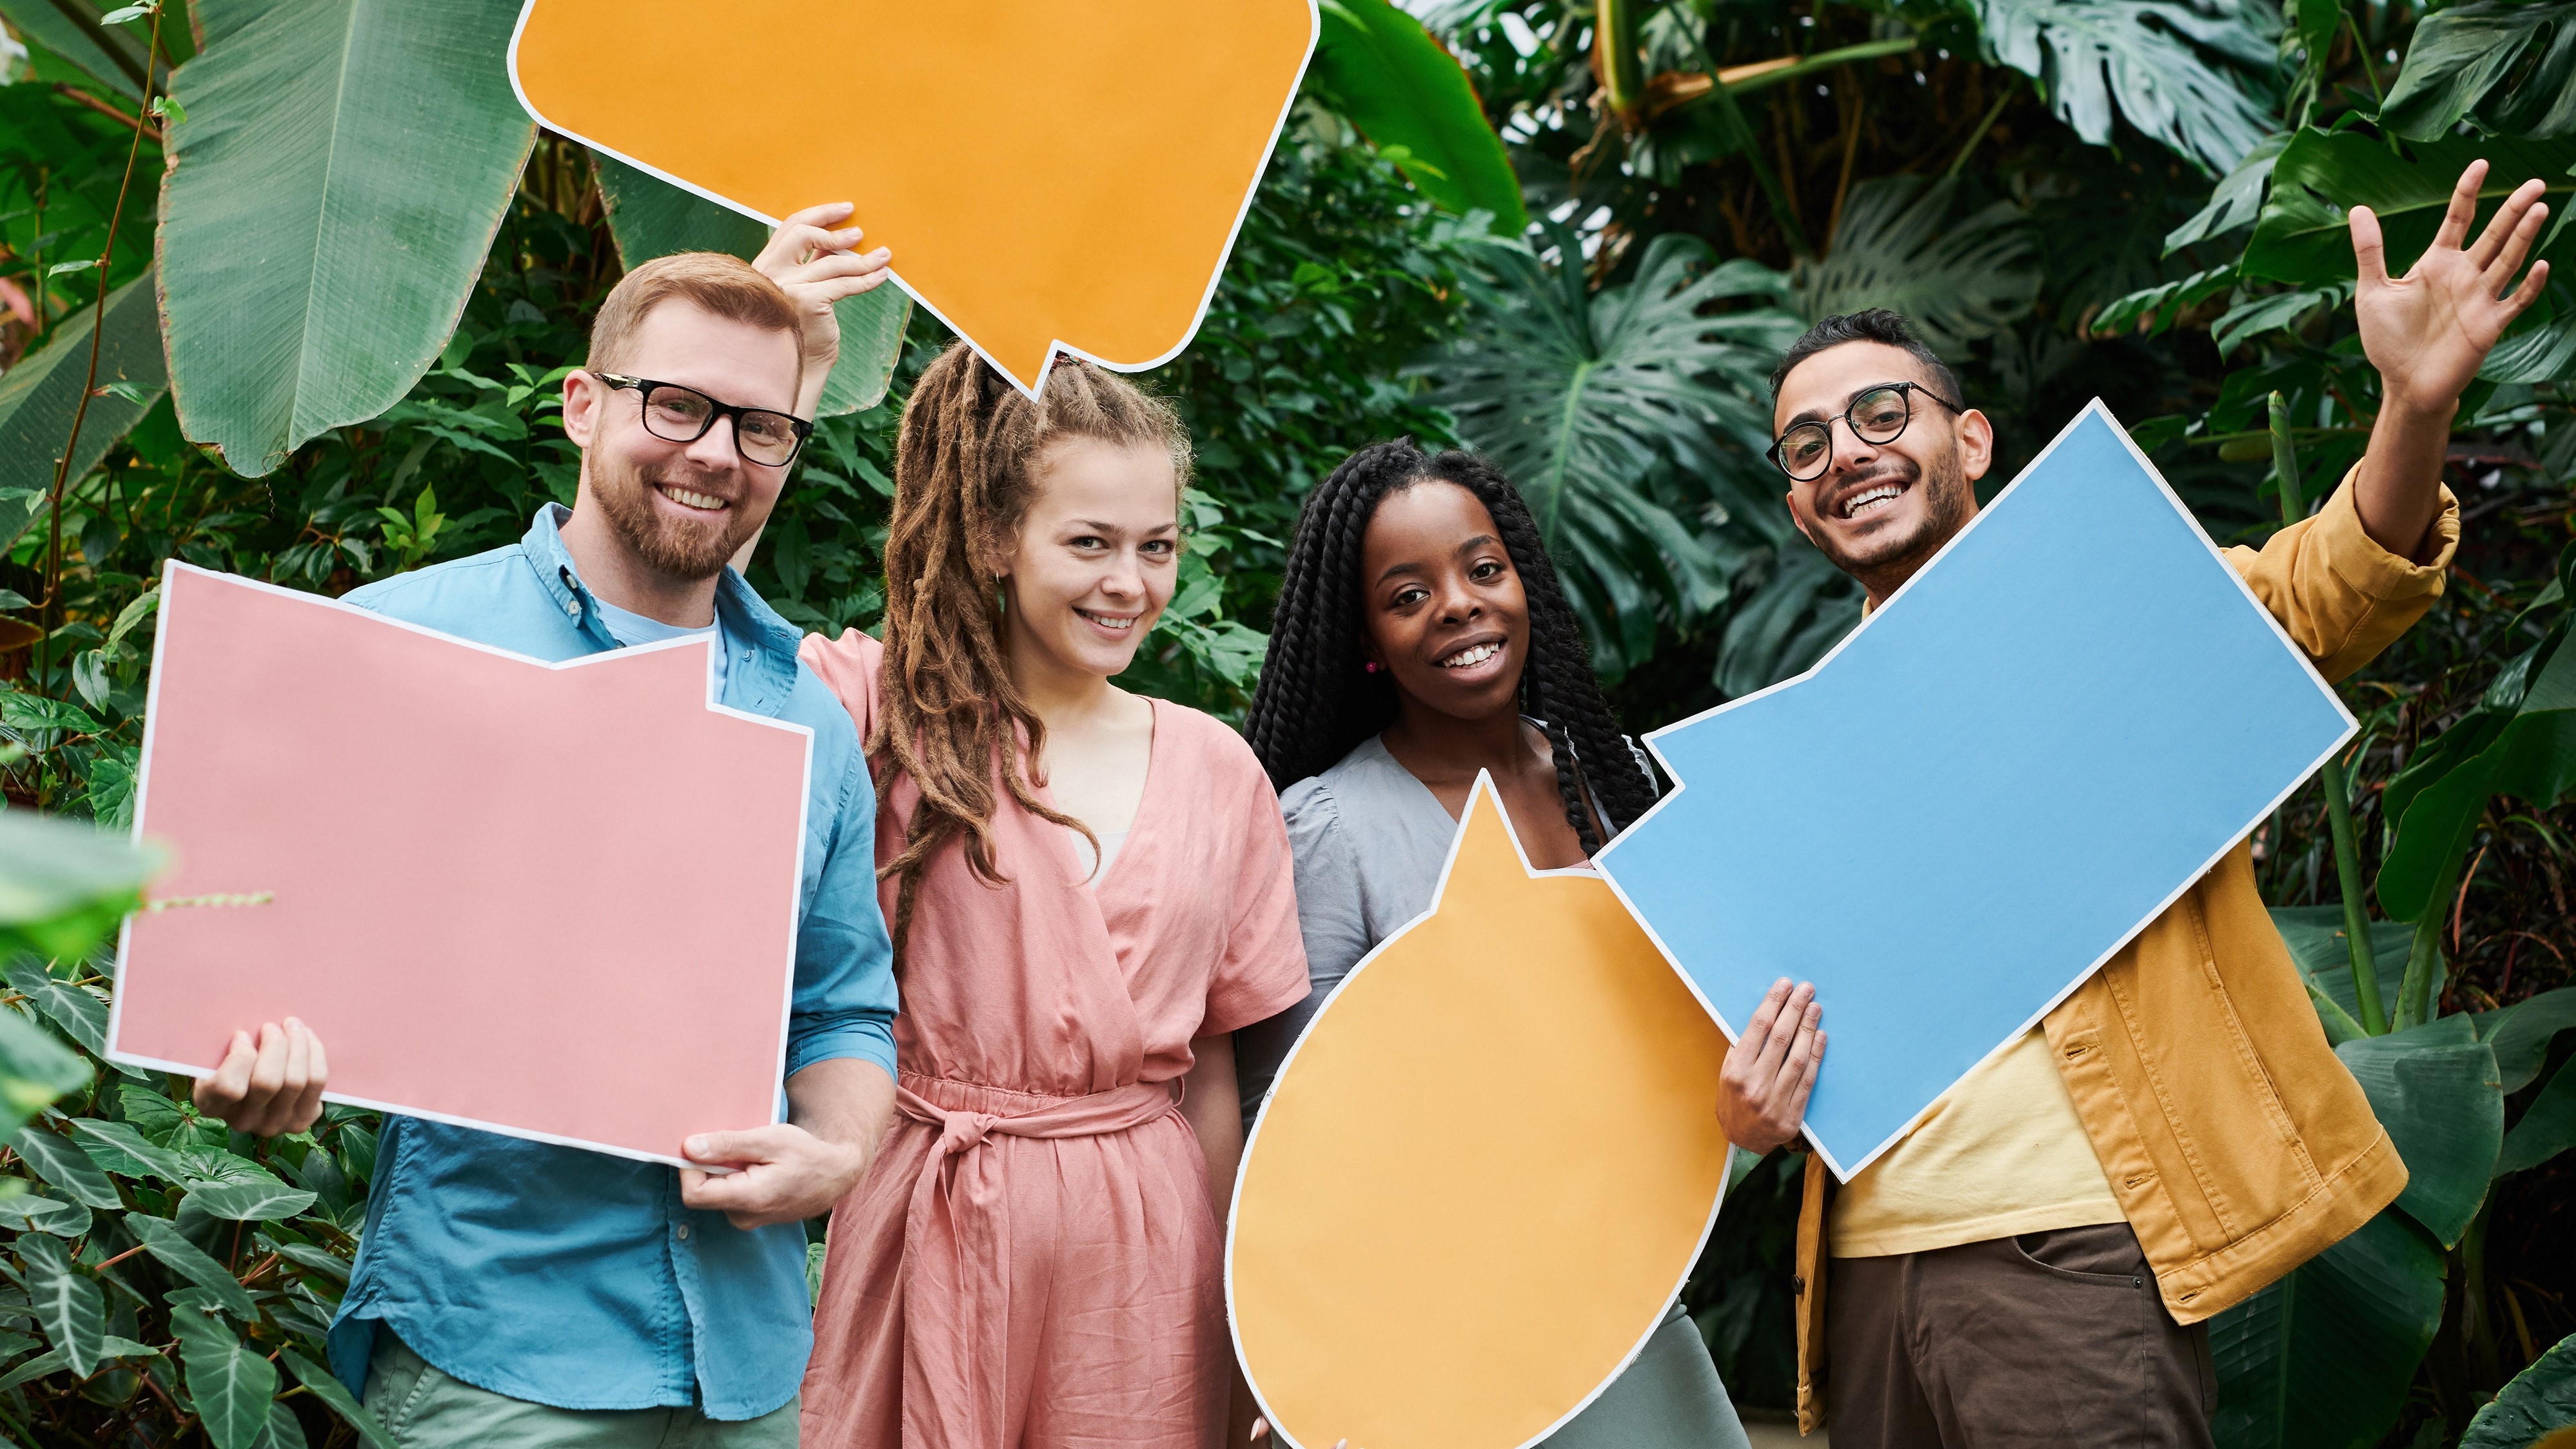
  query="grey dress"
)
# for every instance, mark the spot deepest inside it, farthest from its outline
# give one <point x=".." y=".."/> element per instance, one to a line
<point x="1369" y="840"/>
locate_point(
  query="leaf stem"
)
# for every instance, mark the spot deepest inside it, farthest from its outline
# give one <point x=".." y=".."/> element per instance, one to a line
<point x="2011" y="84"/>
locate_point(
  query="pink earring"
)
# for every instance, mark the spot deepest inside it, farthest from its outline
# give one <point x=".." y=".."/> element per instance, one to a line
<point x="1371" y="666"/>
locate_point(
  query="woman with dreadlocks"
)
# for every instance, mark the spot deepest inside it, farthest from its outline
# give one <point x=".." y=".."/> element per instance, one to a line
<point x="1421" y="637"/>
<point x="1088" y="891"/>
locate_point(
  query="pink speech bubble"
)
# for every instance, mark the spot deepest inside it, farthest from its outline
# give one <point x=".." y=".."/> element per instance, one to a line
<point x="556" y="901"/>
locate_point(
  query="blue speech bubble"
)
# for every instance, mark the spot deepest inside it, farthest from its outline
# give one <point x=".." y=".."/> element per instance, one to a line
<point x="2029" y="752"/>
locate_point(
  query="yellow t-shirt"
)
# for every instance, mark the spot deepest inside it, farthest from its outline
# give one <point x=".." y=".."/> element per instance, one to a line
<point x="2001" y="1153"/>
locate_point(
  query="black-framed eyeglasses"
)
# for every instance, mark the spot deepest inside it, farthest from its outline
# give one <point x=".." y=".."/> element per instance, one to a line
<point x="1877" y="415"/>
<point x="677" y="414"/>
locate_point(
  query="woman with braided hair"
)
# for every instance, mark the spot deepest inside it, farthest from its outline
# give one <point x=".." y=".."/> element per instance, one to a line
<point x="1088" y="891"/>
<point x="1421" y="637"/>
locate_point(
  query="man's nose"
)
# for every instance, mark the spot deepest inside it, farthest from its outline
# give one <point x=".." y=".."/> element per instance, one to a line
<point x="714" y="450"/>
<point x="1851" y="451"/>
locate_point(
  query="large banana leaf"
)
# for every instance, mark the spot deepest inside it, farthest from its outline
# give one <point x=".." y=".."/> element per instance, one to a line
<point x="1590" y="402"/>
<point x="2303" y="237"/>
<point x="2539" y="1402"/>
<point x="2321" y="1359"/>
<point x="2166" y="64"/>
<point x="652" y="218"/>
<point x="330" y="200"/>
<point x="2518" y="743"/>
<point x="2547" y="1128"/>
<point x="1377" y="66"/>
<point x="40" y="394"/>
<point x="1898" y="247"/>
<point x="2436" y="1089"/>
<point x="2506" y="66"/>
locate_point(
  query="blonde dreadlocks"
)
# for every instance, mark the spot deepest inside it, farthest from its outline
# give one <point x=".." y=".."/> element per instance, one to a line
<point x="948" y="713"/>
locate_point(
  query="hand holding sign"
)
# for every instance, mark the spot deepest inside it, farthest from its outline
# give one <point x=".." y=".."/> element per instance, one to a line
<point x="1064" y="175"/>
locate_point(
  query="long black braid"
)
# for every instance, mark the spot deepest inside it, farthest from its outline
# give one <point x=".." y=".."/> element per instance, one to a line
<point x="1316" y="701"/>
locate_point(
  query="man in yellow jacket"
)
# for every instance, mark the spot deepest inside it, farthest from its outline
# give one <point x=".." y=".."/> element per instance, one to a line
<point x="2033" y="1264"/>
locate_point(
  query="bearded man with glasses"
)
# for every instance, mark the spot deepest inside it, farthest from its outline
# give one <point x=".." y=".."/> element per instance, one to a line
<point x="516" y="1293"/>
<point x="2036" y="1261"/>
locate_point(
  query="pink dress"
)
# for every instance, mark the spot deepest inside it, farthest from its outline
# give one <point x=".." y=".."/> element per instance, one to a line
<point x="1031" y="1262"/>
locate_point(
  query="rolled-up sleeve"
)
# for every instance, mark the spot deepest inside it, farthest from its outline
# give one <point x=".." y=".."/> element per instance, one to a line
<point x="2339" y="595"/>
<point x="845" y="993"/>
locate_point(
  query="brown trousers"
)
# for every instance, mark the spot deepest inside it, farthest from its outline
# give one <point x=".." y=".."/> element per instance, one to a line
<point x="2049" y="1339"/>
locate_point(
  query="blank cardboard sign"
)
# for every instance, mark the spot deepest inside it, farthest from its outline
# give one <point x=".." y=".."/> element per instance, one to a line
<point x="1485" y="1170"/>
<point x="1060" y="175"/>
<point x="557" y="901"/>
<point x="2029" y="752"/>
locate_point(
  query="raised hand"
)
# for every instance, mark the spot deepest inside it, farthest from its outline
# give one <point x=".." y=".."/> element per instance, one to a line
<point x="1762" y="1090"/>
<point x="818" y="266"/>
<point x="2430" y="330"/>
<point x="270" y="1086"/>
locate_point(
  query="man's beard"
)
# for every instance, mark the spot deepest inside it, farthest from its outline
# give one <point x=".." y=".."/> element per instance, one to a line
<point x="1887" y="562"/>
<point x="674" y="547"/>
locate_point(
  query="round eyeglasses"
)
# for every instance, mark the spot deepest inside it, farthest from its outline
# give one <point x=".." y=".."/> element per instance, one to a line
<point x="1877" y="415"/>
<point x="677" y="414"/>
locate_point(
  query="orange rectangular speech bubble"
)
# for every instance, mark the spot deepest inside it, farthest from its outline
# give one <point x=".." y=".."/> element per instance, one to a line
<point x="557" y="901"/>
<point x="1053" y="175"/>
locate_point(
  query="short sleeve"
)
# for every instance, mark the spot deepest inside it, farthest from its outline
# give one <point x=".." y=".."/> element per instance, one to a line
<point x="1263" y="970"/>
<point x="1331" y="922"/>
<point x="849" y="665"/>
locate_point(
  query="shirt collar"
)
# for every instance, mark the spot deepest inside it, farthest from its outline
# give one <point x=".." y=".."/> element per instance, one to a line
<point x="748" y="621"/>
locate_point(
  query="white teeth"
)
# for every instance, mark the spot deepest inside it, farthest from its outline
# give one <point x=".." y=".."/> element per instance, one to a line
<point x="1869" y="498"/>
<point x="1469" y="658"/>
<point x="693" y="500"/>
<point x="1109" y="621"/>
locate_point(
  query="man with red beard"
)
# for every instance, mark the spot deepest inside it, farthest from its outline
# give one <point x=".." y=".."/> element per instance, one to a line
<point x="2035" y="1261"/>
<point x="517" y="1293"/>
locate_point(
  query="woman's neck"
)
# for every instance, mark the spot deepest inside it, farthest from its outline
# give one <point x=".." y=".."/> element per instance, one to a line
<point x="1432" y="744"/>
<point x="1059" y="695"/>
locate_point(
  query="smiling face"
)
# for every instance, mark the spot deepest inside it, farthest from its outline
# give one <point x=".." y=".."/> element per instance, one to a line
<point x="1447" y="617"/>
<point x="1879" y="511"/>
<point x="681" y="509"/>
<point x="1095" y="558"/>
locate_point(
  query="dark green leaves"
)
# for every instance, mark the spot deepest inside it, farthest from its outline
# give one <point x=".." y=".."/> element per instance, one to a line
<point x="2323" y="1357"/>
<point x="318" y="1379"/>
<point x="2540" y="1401"/>
<point x="66" y="1302"/>
<point x="66" y="1168"/>
<point x="231" y="1385"/>
<point x="39" y="395"/>
<point x="251" y="1202"/>
<point x="34" y="1069"/>
<point x="329" y="204"/>
<point x="184" y="1258"/>
<point x="2303" y="237"/>
<point x="1408" y="95"/>
<point x="1957" y="280"/>
<point x="2175" y="69"/>
<point x="2506" y="67"/>
<point x="2434" y="1087"/>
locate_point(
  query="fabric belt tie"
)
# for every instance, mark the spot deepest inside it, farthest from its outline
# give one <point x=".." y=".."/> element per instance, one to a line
<point x="957" y="1260"/>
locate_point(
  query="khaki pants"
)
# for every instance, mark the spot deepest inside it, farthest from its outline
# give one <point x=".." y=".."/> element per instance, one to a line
<point x="425" y="1409"/>
<point x="2045" y="1340"/>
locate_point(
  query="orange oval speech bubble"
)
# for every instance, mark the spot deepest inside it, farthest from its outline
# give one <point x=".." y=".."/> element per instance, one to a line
<point x="1484" y="1171"/>
<point x="1051" y="174"/>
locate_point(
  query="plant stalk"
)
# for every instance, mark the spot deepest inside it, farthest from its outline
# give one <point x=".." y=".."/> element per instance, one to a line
<point x="2338" y="785"/>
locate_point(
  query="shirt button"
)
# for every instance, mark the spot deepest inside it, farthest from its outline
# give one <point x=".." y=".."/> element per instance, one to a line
<point x="573" y="607"/>
<point x="684" y="1232"/>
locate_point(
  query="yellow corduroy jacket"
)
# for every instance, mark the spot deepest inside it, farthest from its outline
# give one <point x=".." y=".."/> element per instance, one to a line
<point x="2235" y="1140"/>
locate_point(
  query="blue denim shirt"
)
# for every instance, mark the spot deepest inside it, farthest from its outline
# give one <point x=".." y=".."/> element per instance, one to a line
<point x="576" y="1278"/>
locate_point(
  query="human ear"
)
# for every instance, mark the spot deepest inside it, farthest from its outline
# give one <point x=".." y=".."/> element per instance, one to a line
<point x="1976" y="444"/>
<point x="582" y="396"/>
<point x="1798" y="516"/>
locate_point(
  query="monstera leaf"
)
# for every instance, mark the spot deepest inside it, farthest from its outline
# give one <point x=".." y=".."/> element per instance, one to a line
<point x="2506" y="67"/>
<point x="2305" y="239"/>
<point x="1605" y="409"/>
<point x="330" y="199"/>
<point x="1898" y="247"/>
<point x="2175" y="69"/>
<point x="652" y="218"/>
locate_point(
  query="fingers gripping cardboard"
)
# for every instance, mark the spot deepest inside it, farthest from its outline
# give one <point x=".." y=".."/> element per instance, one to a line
<point x="1484" y="1171"/>
<point x="1063" y="175"/>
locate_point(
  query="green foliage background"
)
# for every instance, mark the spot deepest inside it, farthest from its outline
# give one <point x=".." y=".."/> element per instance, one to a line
<point x="2135" y="199"/>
